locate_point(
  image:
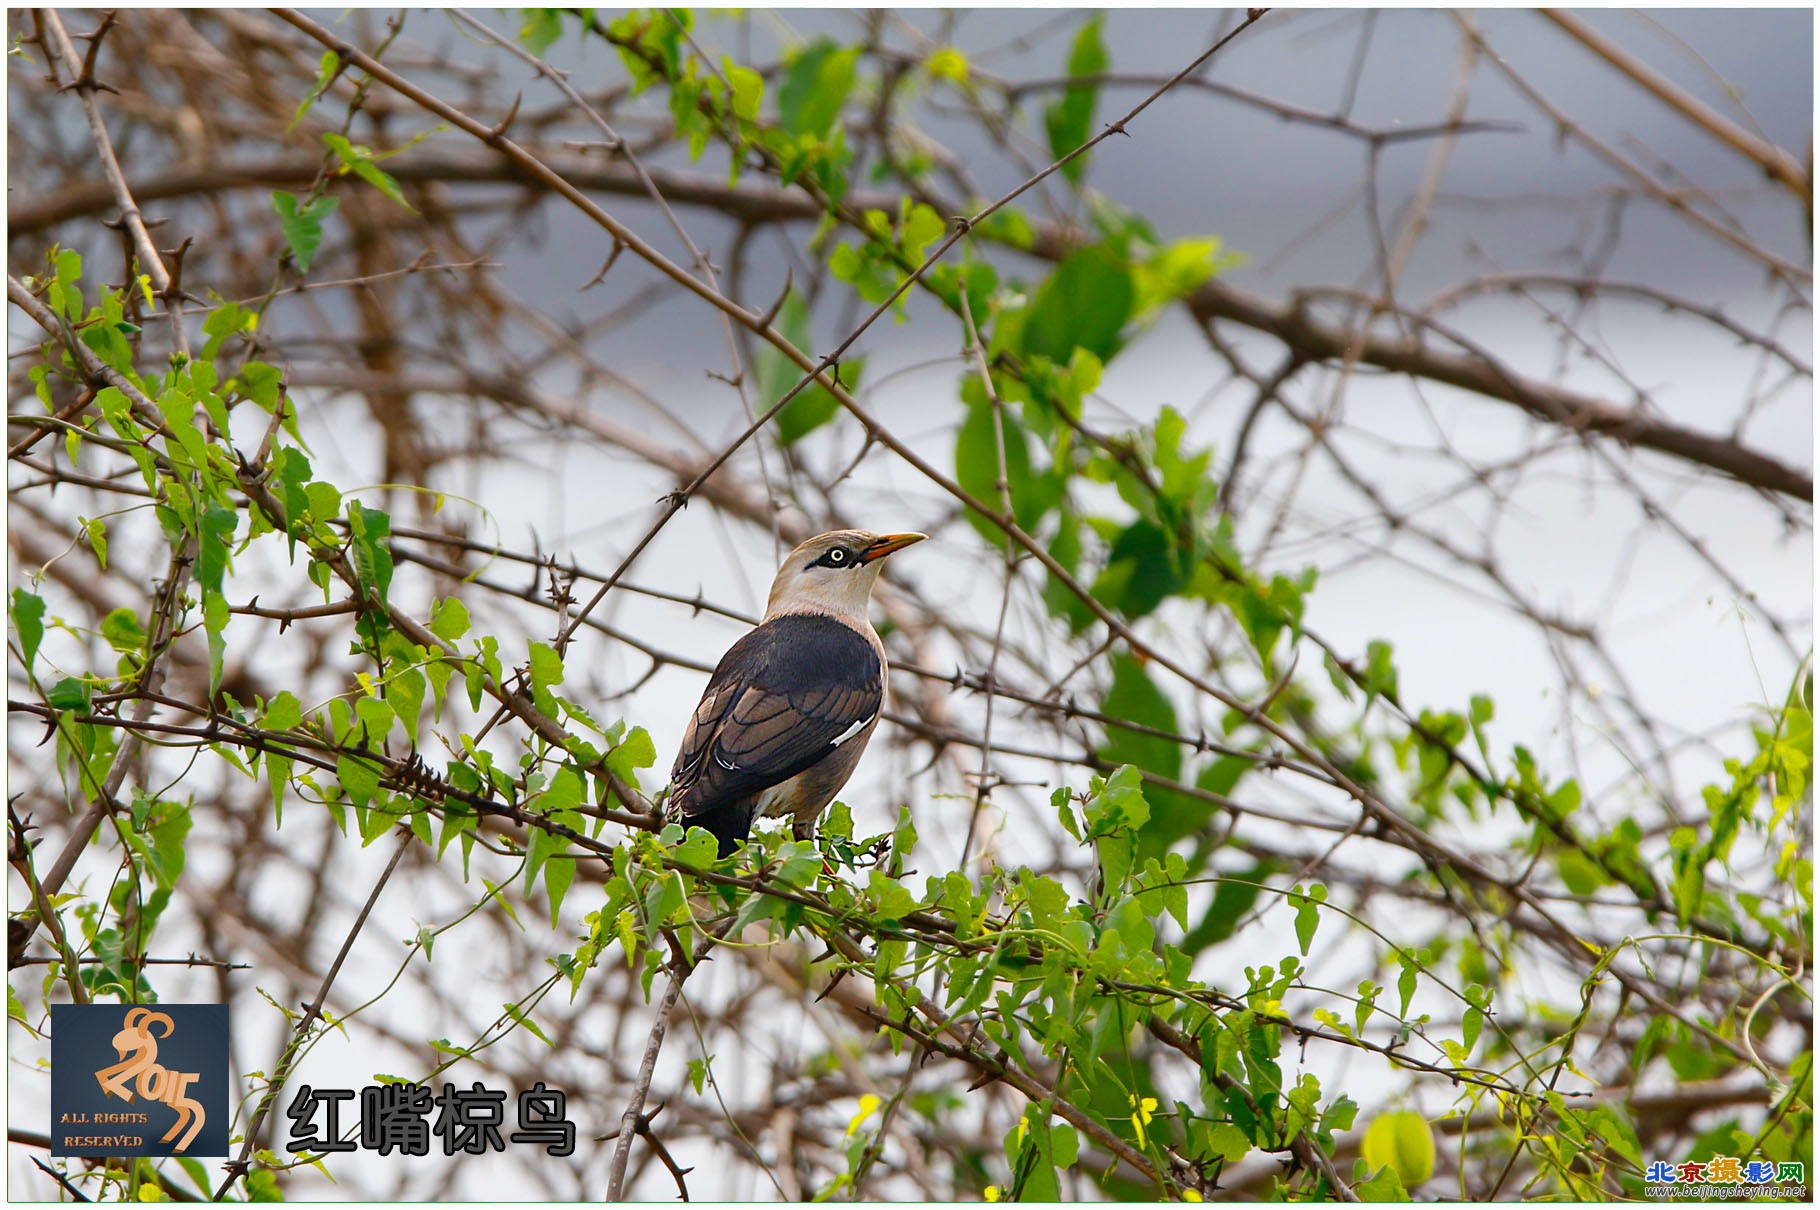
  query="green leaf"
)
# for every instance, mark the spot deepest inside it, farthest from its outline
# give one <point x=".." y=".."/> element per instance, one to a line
<point x="1228" y="1142"/>
<point x="1264" y="610"/>
<point x="376" y="720"/>
<point x="903" y="839"/>
<point x="921" y="228"/>
<point x="278" y="772"/>
<point x="122" y="630"/>
<point x="359" y="778"/>
<point x="1062" y="601"/>
<point x="1380" y="672"/>
<point x="1307" y="914"/>
<point x="1031" y="1149"/>
<point x="565" y="791"/>
<point x="558" y="876"/>
<point x="641" y="36"/>
<point x="1579" y="873"/>
<point x="813" y="406"/>
<point x="636" y="751"/>
<point x="1118" y="804"/>
<point x="282" y="713"/>
<point x="748" y="90"/>
<point x="359" y="161"/>
<point x="450" y="621"/>
<point x="1368" y="1000"/>
<point x="524" y="1018"/>
<point x="698" y="849"/>
<point x="1187" y="483"/>
<point x="541" y="27"/>
<point x="94" y="532"/>
<point x="1177" y="269"/>
<point x="861" y="268"/>
<point x="168" y="851"/>
<point x="1135" y="697"/>
<point x="218" y="524"/>
<point x="1402" y="1142"/>
<point x="815" y="88"/>
<point x="1084" y="304"/>
<point x="69" y="693"/>
<point x="404" y="694"/>
<point x="28" y="623"/>
<point x="665" y="898"/>
<point x="216" y="409"/>
<point x="546" y="671"/>
<point x="65" y="294"/>
<point x="1382" y="1187"/>
<point x="214" y="622"/>
<point x="893" y="899"/>
<point x="977" y="277"/>
<point x="1143" y="569"/>
<point x="326" y="71"/>
<point x="302" y="227"/>
<point x="1126" y="232"/>
<point x="1338" y="1116"/>
<point x="324" y="499"/>
<point x="368" y="550"/>
<point x="976" y="466"/>
<point x="1472" y="1021"/>
<point x="1069" y="120"/>
<point x="224" y="321"/>
<point x="186" y="442"/>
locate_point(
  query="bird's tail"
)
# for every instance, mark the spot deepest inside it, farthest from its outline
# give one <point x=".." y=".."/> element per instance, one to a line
<point x="730" y="824"/>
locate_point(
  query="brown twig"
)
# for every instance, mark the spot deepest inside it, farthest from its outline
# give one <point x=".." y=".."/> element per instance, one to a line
<point x="1774" y="161"/>
<point x="60" y="50"/>
<point x="632" y="1122"/>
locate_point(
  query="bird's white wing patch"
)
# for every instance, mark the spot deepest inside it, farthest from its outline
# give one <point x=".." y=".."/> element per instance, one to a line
<point x="858" y="726"/>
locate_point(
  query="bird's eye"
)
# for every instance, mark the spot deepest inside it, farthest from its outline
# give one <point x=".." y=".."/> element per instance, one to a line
<point x="837" y="556"/>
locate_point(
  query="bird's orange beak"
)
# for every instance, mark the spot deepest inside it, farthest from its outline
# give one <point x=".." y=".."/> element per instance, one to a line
<point x="889" y="543"/>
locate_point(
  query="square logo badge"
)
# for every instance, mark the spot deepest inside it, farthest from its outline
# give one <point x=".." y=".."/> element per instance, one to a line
<point x="139" y="1079"/>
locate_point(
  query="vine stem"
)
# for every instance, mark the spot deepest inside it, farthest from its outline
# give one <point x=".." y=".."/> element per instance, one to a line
<point x="311" y="1012"/>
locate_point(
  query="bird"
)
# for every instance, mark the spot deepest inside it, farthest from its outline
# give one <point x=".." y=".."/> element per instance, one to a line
<point x="791" y="705"/>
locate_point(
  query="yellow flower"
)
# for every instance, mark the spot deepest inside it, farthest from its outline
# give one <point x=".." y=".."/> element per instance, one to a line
<point x="948" y="64"/>
<point x="1145" y="1110"/>
<point x="992" y="1193"/>
<point x="868" y="1105"/>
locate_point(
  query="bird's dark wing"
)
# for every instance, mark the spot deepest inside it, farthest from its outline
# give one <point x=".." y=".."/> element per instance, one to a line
<point x="775" y="706"/>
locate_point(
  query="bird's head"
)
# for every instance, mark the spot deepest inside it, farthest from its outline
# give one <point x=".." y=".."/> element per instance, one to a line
<point x="833" y="573"/>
